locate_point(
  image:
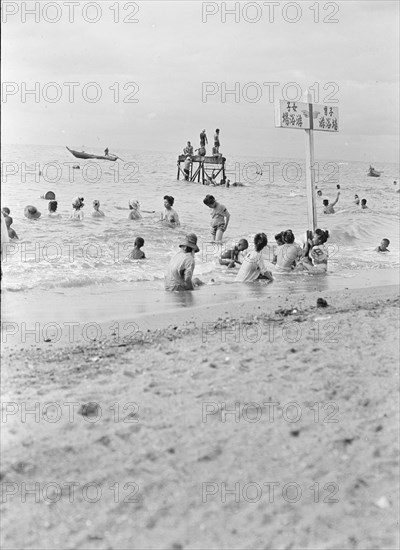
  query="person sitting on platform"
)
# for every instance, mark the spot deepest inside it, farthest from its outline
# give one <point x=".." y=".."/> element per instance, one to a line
<point x="106" y="152"/>
<point x="188" y="150"/>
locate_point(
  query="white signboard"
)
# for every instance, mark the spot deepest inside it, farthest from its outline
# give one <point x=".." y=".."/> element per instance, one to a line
<point x="306" y="116"/>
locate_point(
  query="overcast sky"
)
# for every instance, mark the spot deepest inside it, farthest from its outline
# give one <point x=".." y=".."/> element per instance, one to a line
<point x="177" y="47"/>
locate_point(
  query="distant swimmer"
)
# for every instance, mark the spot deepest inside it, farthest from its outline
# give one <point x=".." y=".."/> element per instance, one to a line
<point x="76" y="167"/>
<point x="383" y="247"/>
<point x="319" y="193"/>
<point x="328" y="208"/>
<point x="231" y="257"/>
<point x="52" y="208"/>
<point x="136" y="253"/>
<point x="179" y="275"/>
<point x="356" y="200"/>
<point x="77" y="205"/>
<point x="188" y="150"/>
<point x="106" y="151"/>
<point x="364" y="204"/>
<point x="49" y="196"/>
<point x="97" y="213"/>
<point x="253" y="267"/>
<point x="135" y="213"/>
<point x="170" y="216"/>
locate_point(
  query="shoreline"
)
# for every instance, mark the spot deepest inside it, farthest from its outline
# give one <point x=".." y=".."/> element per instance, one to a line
<point x="29" y="320"/>
<point x="157" y="431"/>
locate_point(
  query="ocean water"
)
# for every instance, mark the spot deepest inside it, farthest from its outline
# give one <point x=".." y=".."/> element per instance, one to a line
<point x="54" y="255"/>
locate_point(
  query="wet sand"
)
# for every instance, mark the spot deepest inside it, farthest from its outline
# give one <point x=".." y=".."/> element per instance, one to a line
<point x="307" y="458"/>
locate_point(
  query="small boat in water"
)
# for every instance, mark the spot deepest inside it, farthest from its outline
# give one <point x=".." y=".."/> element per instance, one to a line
<point x="373" y="173"/>
<point x="82" y="155"/>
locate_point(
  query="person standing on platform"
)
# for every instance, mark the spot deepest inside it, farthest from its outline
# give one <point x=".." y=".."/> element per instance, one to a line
<point x="203" y="141"/>
<point x="216" y="141"/>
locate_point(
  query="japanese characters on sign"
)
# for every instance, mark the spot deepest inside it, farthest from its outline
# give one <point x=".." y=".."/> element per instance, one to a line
<point x="293" y="114"/>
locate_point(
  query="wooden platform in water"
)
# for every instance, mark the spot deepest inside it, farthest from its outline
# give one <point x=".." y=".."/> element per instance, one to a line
<point x="200" y="165"/>
<point x="207" y="160"/>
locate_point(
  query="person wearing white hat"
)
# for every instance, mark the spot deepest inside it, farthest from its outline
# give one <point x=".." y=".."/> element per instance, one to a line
<point x="135" y="213"/>
<point x="77" y="205"/>
<point x="180" y="270"/>
<point x="97" y="213"/>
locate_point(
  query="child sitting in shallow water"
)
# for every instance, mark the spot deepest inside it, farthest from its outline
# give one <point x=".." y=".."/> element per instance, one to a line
<point x="231" y="257"/>
<point x="136" y="253"/>
<point x="315" y="254"/>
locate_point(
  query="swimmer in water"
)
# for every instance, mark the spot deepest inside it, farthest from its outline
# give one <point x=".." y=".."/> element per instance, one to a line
<point x="356" y="200"/>
<point x="52" y="208"/>
<point x="11" y="233"/>
<point x="383" y="247"/>
<point x="135" y="213"/>
<point x="97" y="213"/>
<point x="319" y="193"/>
<point x="231" y="257"/>
<point x="364" y="204"/>
<point x="328" y="208"/>
<point x="77" y="205"/>
<point x="136" y="253"/>
<point x="170" y="216"/>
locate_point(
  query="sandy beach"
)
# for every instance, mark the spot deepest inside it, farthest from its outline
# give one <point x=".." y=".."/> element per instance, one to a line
<point x="268" y="424"/>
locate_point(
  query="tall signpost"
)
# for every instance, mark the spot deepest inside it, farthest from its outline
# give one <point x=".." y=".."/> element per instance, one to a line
<point x="309" y="117"/>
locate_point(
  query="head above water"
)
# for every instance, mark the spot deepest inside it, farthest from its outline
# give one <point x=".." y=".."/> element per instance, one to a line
<point x="260" y="241"/>
<point x="320" y="236"/>
<point x="50" y="196"/>
<point x="209" y="200"/>
<point x="288" y="236"/>
<point x="139" y="242"/>
<point x="134" y="204"/>
<point x="325" y="202"/>
<point x="243" y="244"/>
<point x="168" y="200"/>
<point x="319" y="193"/>
<point x="363" y="202"/>
<point x="52" y="206"/>
<point x="385" y="243"/>
<point x="96" y="204"/>
<point x="77" y="203"/>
